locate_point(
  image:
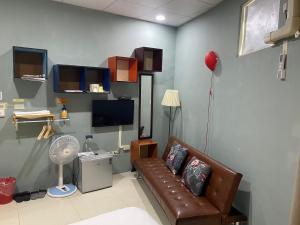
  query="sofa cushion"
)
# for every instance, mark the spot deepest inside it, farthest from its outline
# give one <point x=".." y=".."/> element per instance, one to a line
<point x="176" y="157"/>
<point x="194" y="175"/>
<point x="179" y="204"/>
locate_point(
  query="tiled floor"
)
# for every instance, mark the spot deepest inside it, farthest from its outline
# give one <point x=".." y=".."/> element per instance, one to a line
<point x="126" y="191"/>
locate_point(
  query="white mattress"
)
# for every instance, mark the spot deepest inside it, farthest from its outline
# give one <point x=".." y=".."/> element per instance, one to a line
<point x="126" y="216"/>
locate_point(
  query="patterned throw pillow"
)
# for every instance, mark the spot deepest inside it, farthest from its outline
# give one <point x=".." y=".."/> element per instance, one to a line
<point x="195" y="175"/>
<point x="176" y="157"/>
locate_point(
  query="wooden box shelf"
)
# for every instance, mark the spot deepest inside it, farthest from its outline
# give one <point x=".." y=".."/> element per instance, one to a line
<point x="146" y="148"/>
<point x="149" y="59"/>
<point x="69" y="78"/>
<point x="123" y="69"/>
<point x="30" y="61"/>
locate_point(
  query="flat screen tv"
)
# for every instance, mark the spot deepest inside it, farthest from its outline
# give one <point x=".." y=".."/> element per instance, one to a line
<point x="112" y="112"/>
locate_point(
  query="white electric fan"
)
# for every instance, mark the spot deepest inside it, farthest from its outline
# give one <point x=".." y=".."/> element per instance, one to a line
<point x="63" y="151"/>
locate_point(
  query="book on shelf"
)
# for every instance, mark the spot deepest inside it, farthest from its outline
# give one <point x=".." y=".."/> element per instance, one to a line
<point x="40" y="78"/>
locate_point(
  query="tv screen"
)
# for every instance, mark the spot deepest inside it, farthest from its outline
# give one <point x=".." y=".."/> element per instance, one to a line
<point x="112" y="112"/>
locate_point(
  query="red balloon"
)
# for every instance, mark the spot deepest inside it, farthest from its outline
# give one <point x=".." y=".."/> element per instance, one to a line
<point x="211" y="60"/>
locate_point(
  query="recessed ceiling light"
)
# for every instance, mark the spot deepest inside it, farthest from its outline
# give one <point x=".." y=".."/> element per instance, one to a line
<point x="160" y="17"/>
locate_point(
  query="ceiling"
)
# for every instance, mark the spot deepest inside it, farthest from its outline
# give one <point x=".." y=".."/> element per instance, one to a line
<point x="177" y="12"/>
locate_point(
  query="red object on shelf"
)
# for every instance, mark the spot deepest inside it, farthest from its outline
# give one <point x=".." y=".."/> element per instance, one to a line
<point x="7" y="189"/>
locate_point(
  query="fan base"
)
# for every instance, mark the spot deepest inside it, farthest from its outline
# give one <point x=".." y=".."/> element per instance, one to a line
<point x="60" y="192"/>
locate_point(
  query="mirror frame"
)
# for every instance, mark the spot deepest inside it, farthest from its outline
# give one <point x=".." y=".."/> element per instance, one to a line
<point x="140" y="91"/>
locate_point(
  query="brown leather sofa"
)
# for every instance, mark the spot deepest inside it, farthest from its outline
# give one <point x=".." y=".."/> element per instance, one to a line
<point x="179" y="204"/>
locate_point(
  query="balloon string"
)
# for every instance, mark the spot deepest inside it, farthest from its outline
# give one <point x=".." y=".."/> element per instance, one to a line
<point x="210" y="95"/>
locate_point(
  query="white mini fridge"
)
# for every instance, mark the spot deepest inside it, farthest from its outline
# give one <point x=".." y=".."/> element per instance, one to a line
<point x="93" y="172"/>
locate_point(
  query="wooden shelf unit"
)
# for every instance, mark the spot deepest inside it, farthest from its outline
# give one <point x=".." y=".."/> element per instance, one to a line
<point x="73" y="78"/>
<point x="149" y="59"/>
<point x="123" y="69"/>
<point x="140" y="149"/>
<point x="29" y="61"/>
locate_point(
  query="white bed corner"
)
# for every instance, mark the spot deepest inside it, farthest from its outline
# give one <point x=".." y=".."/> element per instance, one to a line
<point x="126" y="216"/>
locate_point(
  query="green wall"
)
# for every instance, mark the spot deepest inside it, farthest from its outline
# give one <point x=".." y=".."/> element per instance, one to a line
<point x="256" y="117"/>
<point x="75" y="36"/>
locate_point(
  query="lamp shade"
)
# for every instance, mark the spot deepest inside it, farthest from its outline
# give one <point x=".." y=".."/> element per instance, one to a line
<point x="171" y="98"/>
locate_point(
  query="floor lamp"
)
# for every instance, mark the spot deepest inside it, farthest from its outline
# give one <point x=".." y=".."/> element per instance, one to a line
<point x="171" y="99"/>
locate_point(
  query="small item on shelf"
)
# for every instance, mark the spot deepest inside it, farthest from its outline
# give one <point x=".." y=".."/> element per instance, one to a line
<point x="64" y="113"/>
<point x="101" y="90"/>
<point x="73" y="91"/>
<point x="40" y="78"/>
<point x="94" y="88"/>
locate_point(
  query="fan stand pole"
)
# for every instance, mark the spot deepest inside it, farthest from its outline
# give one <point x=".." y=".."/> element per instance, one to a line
<point x="60" y="176"/>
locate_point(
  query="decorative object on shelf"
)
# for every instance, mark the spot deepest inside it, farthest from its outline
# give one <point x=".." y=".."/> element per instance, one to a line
<point x="94" y="88"/>
<point x="30" y="64"/>
<point x="149" y="59"/>
<point x="146" y="106"/>
<point x="63" y="151"/>
<point x="123" y="69"/>
<point x="77" y="79"/>
<point x="146" y="148"/>
<point x="171" y="99"/>
<point x="64" y="113"/>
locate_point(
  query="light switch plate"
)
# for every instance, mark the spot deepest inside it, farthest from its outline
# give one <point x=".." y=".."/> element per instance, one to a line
<point x="1" y="96"/>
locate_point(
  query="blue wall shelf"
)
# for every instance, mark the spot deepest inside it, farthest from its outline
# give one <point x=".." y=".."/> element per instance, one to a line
<point x="30" y="62"/>
<point x="77" y="79"/>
